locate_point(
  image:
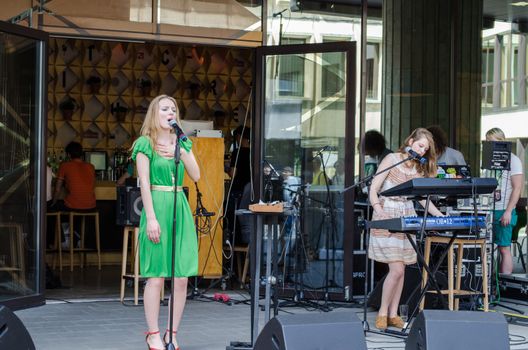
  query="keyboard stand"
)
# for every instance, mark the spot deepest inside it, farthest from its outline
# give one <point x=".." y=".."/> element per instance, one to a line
<point x="431" y="274"/>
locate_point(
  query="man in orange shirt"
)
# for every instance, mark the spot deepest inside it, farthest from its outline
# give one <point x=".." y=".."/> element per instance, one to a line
<point x="78" y="177"/>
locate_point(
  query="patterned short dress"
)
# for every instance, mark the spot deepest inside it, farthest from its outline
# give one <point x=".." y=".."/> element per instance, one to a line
<point x="385" y="246"/>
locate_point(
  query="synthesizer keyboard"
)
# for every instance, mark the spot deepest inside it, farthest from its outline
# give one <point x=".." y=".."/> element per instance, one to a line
<point x="414" y="223"/>
<point x="443" y="187"/>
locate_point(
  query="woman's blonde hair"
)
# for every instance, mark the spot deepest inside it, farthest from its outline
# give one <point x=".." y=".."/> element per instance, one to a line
<point x="496" y="133"/>
<point x="151" y="125"/>
<point x="429" y="168"/>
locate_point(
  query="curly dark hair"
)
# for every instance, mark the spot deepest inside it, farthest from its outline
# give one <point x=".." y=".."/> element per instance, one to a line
<point x="439" y="137"/>
<point x="374" y="143"/>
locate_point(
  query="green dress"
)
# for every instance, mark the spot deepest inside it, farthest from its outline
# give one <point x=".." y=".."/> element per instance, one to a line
<point x="155" y="258"/>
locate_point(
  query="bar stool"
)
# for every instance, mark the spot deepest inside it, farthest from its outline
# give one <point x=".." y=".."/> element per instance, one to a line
<point x="245" y="251"/>
<point x="57" y="239"/>
<point x="134" y="263"/>
<point x="82" y="249"/>
<point x="453" y="291"/>
<point x="17" y="264"/>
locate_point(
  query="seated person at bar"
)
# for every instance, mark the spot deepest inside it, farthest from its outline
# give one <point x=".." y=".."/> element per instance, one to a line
<point x="78" y="177"/>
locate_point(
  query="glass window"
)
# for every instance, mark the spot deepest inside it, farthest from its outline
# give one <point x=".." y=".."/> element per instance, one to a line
<point x="291" y="68"/>
<point x="19" y="174"/>
<point x="372" y="70"/>
<point x="304" y="139"/>
<point x="333" y="82"/>
<point x="237" y="15"/>
<point x="488" y="60"/>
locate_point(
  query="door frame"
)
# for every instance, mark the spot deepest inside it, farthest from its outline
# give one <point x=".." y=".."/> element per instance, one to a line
<point x="38" y="201"/>
<point x="258" y="110"/>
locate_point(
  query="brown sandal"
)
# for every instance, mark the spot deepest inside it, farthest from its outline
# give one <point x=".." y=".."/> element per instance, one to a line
<point x="396" y="322"/>
<point x="381" y="322"/>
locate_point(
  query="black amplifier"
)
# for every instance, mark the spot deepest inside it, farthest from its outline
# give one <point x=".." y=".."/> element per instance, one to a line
<point x="128" y="206"/>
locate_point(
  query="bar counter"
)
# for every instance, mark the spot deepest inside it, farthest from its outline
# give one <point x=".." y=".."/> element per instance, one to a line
<point x="105" y="190"/>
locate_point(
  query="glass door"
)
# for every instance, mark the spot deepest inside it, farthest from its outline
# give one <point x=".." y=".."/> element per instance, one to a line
<point x="23" y="61"/>
<point x="304" y="156"/>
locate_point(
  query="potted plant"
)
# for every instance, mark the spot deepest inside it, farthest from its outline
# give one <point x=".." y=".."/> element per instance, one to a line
<point x="67" y="108"/>
<point x="94" y="82"/>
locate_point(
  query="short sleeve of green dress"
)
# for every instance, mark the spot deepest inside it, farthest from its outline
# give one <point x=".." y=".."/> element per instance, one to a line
<point x="155" y="258"/>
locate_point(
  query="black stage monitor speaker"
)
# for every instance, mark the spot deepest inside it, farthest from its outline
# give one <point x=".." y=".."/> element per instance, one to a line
<point x="128" y="206"/>
<point x="13" y="333"/>
<point x="458" y="330"/>
<point x="325" y="331"/>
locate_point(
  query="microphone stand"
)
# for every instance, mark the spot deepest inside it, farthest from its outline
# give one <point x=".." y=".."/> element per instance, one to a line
<point x="367" y="181"/>
<point x="170" y="345"/>
<point x="268" y="187"/>
<point x="329" y="205"/>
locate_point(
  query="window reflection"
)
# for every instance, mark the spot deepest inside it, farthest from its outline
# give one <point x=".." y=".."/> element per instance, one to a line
<point x="304" y="132"/>
<point x="18" y="251"/>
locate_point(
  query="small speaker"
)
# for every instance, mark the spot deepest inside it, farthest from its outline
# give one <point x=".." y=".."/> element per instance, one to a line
<point x="13" y="333"/>
<point x="128" y="206"/>
<point x="325" y="331"/>
<point x="458" y="330"/>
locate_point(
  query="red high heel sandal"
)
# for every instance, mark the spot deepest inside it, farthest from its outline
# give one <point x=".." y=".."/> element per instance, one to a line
<point x="165" y="336"/>
<point x="148" y="334"/>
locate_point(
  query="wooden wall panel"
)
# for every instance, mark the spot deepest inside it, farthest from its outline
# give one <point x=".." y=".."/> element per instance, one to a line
<point x="209" y="153"/>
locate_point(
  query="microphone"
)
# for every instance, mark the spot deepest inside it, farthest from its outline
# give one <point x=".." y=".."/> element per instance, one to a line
<point x="325" y="148"/>
<point x="415" y="155"/>
<point x="179" y="132"/>
<point x="280" y="13"/>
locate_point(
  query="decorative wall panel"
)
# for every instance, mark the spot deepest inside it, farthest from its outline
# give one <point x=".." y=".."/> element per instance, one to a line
<point x="99" y="92"/>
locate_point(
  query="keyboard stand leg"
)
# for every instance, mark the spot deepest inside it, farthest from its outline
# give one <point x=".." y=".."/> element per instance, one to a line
<point x="431" y="273"/>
